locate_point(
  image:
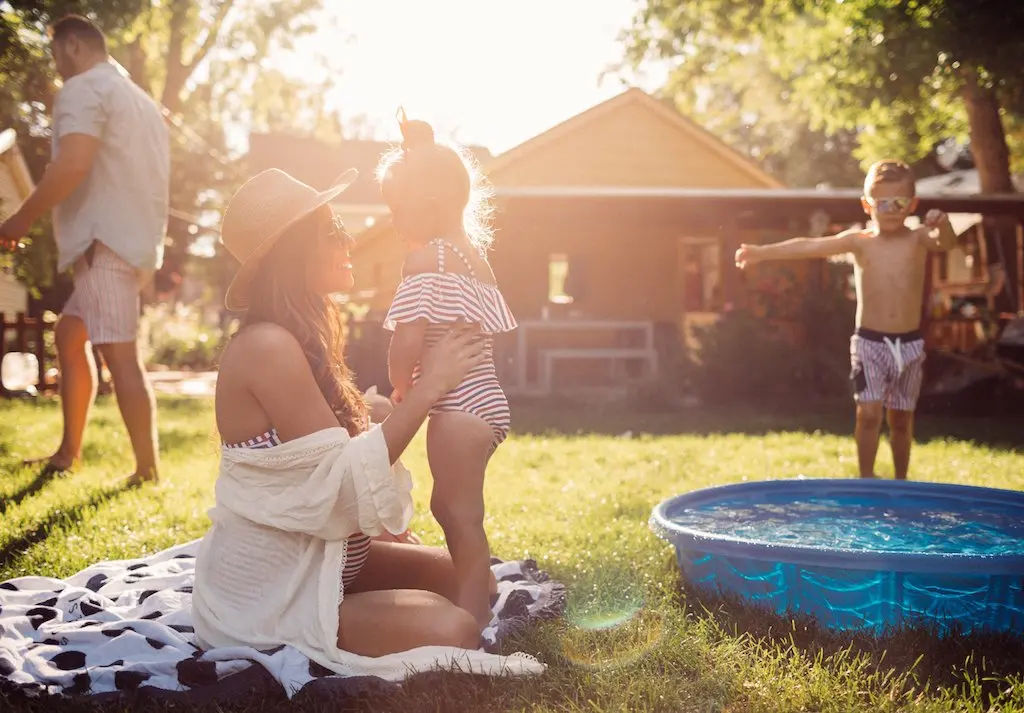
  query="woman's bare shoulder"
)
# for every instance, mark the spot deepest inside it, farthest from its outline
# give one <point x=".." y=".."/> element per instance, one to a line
<point x="265" y="380"/>
<point x="256" y="343"/>
<point x="256" y="351"/>
<point x="246" y="360"/>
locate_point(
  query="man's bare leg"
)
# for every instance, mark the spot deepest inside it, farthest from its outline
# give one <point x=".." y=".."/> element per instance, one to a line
<point x="869" y="426"/>
<point x="138" y="407"/>
<point x="77" y="388"/>
<point x="901" y="438"/>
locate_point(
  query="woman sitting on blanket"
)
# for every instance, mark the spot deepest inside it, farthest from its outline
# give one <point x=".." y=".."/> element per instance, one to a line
<point x="305" y="547"/>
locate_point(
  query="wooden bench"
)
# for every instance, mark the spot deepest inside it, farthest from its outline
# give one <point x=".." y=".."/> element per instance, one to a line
<point x="548" y="357"/>
<point x="520" y="384"/>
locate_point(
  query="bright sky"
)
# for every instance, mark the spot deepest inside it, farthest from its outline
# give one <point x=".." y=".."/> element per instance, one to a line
<point x="490" y="72"/>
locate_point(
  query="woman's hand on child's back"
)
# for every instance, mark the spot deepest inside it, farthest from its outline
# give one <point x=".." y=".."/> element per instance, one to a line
<point x="442" y="368"/>
<point x="446" y="364"/>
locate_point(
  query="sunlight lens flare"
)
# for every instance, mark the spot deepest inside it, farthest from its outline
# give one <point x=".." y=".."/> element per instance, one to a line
<point x="610" y="627"/>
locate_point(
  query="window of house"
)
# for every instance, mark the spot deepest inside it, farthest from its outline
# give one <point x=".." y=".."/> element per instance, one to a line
<point x="701" y="275"/>
<point x="558" y="273"/>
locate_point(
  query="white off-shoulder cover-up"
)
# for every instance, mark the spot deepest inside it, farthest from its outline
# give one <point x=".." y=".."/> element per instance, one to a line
<point x="268" y="571"/>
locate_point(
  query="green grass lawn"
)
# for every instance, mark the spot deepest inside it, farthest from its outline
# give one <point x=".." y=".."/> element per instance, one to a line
<point x="574" y="492"/>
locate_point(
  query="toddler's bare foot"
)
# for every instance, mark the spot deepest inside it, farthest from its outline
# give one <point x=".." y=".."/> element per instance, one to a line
<point x="408" y="538"/>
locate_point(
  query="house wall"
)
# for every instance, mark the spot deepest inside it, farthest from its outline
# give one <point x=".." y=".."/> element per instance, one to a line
<point x="629" y="141"/>
<point x="13" y="296"/>
<point x="15" y="185"/>
<point x="377" y="264"/>
<point x="625" y="265"/>
<point x="629" y="144"/>
<point x="624" y="270"/>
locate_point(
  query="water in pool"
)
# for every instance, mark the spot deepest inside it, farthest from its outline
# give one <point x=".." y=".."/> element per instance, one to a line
<point x="926" y="527"/>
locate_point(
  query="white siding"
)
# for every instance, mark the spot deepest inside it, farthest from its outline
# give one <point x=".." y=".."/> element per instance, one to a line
<point x="13" y="297"/>
<point x="13" y="190"/>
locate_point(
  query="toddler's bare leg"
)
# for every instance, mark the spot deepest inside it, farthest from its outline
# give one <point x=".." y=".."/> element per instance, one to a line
<point x="458" y="448"/>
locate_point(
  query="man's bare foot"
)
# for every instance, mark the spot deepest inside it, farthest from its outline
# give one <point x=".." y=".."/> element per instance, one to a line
<point x="138" y="479"/>
<point x="56" y="463"/>
<point x="870" y="477"/>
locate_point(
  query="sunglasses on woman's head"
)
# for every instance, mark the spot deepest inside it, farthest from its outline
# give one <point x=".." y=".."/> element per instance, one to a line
<point x="899" y="204"/>
<point x="336" y="232"/>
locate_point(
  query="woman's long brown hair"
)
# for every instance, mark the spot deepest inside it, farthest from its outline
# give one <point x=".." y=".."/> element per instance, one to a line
<point x="280" y="294"/>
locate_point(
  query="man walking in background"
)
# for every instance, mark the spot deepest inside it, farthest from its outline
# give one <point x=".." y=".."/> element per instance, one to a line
<point x="108" y="186"/>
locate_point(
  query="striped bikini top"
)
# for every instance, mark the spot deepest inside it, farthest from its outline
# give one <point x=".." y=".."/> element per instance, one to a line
<point x="269" y="439"/>
<point x="447" y="297"/>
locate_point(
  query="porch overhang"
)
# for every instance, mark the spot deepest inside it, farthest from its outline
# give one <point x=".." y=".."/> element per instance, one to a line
<point x="748" y="208"/>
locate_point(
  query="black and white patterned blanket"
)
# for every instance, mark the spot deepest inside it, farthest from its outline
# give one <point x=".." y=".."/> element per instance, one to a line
<point x="125" y="627"/>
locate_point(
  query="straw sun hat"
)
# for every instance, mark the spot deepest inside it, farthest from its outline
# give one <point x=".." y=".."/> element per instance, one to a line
<point x="259" y="213"/>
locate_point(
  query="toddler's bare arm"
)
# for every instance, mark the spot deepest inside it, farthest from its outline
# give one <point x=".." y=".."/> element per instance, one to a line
<point x="407" y="342"/>
<point x="404" y="353"/>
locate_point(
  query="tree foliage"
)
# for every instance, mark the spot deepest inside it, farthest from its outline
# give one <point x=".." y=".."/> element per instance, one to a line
<point x="900" y="75"/>
<point x="211" y="63"/>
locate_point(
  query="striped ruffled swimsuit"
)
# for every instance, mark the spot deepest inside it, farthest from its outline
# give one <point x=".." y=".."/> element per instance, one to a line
<point x="443" y="298"/>
<point x="358" y="544"/>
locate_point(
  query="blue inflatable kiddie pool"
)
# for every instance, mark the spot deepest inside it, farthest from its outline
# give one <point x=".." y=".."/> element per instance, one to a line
<point x="861" y="555"/>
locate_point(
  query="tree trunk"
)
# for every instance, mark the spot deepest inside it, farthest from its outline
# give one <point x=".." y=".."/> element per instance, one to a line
<point x="176" y="71"/>
<point x="988" y="138"/>
<point x="992" y="160"/>
<point x="134" y="57"/>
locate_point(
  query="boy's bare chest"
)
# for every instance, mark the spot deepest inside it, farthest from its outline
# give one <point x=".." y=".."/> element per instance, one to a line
<point x="892" y="259"/>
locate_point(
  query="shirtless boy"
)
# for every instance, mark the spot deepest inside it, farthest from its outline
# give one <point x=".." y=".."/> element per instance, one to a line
<point x="887" y="348"/>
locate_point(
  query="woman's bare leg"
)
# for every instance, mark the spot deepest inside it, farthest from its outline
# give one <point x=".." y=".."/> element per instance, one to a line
<point x="403" y="598"/>
<point x="392" y="565"/>
<point x="386" y="622"/>
<point x="458" y="448"/>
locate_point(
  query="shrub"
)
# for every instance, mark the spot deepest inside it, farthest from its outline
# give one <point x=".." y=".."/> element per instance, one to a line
<point x="178" y="336"/>
<point x="791" y="345"/>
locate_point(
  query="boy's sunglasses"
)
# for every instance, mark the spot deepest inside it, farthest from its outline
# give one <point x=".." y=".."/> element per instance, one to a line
<point x="890" y="205"/>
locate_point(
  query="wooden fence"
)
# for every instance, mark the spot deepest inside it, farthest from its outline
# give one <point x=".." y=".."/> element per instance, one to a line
<point x="27" y="334"/>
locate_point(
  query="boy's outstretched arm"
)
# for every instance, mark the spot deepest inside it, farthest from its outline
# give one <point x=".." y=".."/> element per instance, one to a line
<point x="798" y="249"/>
<point x="945" y="240"/>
